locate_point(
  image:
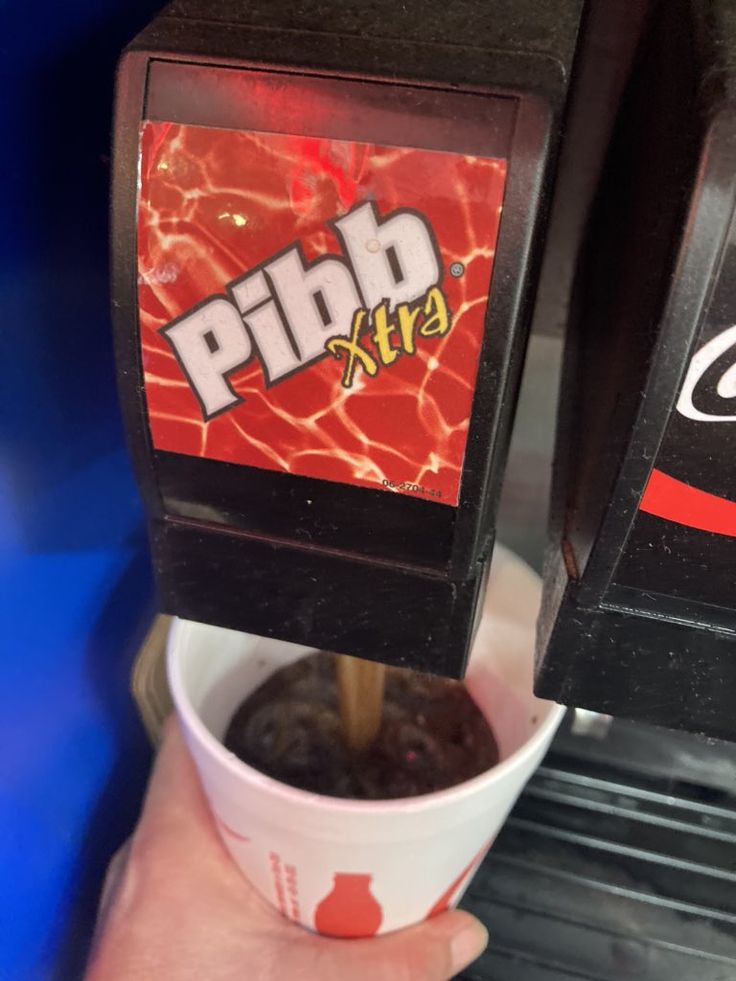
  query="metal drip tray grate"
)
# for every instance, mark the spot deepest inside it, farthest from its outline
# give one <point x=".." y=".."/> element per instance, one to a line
<point x="608" y="870"/>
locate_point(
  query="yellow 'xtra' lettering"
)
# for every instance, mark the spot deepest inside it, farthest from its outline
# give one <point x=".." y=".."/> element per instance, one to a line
<point x="377" y="339"/>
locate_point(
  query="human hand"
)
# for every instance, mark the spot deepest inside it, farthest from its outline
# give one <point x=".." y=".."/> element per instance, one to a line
<point x="177" y="908"/>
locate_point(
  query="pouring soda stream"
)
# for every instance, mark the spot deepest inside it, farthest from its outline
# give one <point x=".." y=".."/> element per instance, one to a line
<point x="360" y="686"/>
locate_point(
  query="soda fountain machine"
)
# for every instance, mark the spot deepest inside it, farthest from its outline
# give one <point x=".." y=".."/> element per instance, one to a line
<point x="638" y="616"/>
<point x="326" y="232"/>
<point x="328" y="228"/>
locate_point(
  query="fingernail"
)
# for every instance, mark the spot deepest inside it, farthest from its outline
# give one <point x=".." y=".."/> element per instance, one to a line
<point x="468" y="943"/>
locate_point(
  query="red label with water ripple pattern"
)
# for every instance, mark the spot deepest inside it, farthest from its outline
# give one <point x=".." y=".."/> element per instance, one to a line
<point x="358" y="368"/>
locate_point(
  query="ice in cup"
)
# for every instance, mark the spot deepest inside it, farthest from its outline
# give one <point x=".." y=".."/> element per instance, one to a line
<point x="359" y="868"/>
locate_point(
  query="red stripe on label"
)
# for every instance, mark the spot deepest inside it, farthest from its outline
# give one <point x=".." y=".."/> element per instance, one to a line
<point x="673" y="500"/>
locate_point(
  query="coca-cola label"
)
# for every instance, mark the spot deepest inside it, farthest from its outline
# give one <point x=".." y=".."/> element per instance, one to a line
<point x="314" y="306"/>
<point x="682" y="540"/>
<point x="709" y="391"/>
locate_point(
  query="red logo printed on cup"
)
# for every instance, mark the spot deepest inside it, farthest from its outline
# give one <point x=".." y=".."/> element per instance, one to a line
<point x="285" y="887"/>
<point x="229" y="831"/>
<point x="443" y="903"/>
<point x="274" y="861"/>
<point x="349" y="909"/>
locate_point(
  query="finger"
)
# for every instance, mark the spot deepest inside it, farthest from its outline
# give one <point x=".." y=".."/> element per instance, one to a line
<point x="112" y="879"/>
<point x="174" y="785"/>
<point x="435" y="950"/>
<point x="175" y="808"/>
<point x="110" y="890"/>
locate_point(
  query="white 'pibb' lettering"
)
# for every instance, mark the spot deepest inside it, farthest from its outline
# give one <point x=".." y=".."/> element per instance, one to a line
<point x="415" y="265"/>
<point x="287" y="309"/>
<point x="210" y="343"/>
<point x="701" y="362"/>
<point x="253" y="297"/>
<point x="318" y="301"/>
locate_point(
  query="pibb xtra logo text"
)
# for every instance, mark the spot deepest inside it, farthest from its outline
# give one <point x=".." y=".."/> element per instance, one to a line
<point x="367" y="308"/>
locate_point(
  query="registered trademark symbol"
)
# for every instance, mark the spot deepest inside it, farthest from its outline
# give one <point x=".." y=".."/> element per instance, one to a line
<point x="457" y="269"/>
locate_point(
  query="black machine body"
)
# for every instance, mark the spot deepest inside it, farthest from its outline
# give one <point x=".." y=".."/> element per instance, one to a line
<point x="638" y="616"/>
<point x="386" y="563"/>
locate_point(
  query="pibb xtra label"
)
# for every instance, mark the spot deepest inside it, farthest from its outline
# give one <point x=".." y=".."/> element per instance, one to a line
<point x="314" y="306"/>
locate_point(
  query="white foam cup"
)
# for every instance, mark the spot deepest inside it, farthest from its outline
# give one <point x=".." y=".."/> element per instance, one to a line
<point x="357" y="868"/>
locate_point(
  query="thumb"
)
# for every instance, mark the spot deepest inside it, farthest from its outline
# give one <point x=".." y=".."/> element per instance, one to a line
<point x="431" y="951"/>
